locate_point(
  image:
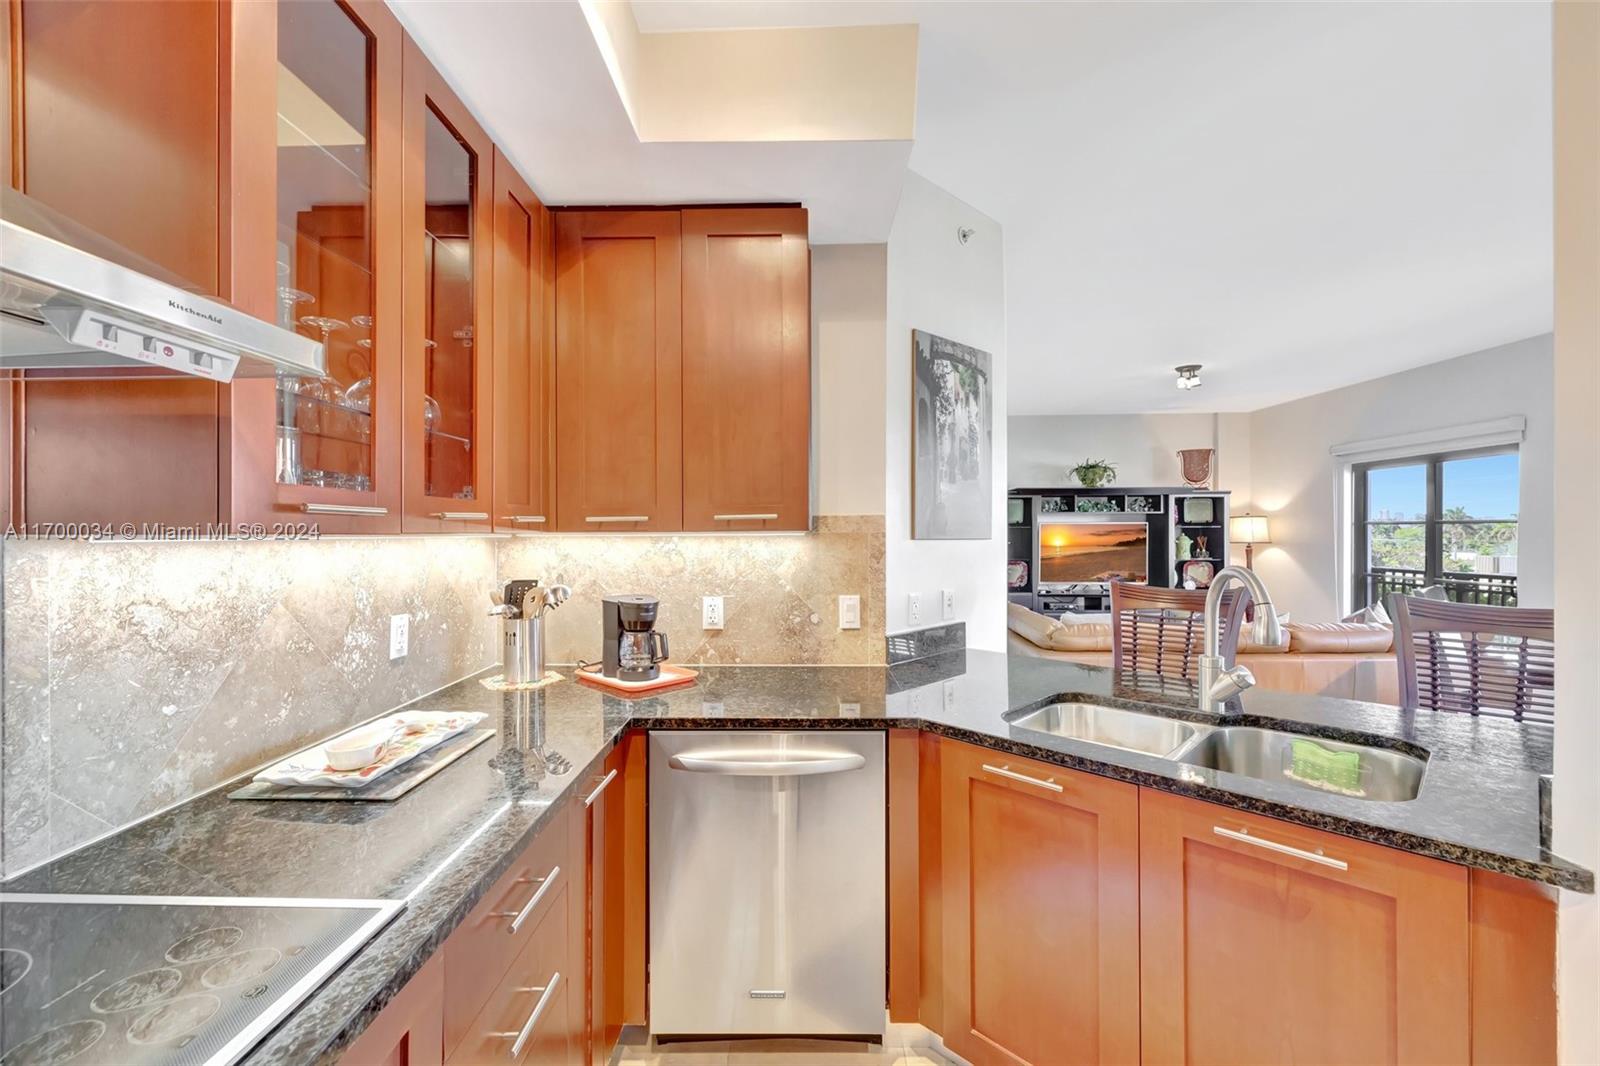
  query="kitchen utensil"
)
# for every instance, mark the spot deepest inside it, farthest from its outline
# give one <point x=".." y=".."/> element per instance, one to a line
<point x="555" y="596"/>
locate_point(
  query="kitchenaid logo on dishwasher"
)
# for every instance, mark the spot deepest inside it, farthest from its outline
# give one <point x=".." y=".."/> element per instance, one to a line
<point x="207" y="315"/>
<point x="767" y="993"/>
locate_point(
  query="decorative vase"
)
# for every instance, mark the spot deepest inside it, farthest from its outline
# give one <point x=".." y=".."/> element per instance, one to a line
<point x="1184" y="546"/>
<point x="1196" y="465"/>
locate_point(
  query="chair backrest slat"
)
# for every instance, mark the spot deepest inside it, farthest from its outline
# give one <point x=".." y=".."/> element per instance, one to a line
<point x="1162" y="631"/>
<point x="1473" y="659"/>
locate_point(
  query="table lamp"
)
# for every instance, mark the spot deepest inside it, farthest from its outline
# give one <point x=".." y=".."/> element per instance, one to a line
<point x="1249" y="530"/>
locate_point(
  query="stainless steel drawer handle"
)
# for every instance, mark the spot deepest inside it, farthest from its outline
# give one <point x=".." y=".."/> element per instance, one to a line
<point x="1006" y="771"/>
<point x="343" y="508"/>
<point x="518" y="917"/>
<point x="588" y="801"/>
<point x="617" y="518"/>
<point x="525" y="519"/>
<point x="526" y="1031"/>
<point x="462" y="516"/>
<point x="780" y="763"/>
<point x="744" y="517"/>
<point x="1243" y="836"/>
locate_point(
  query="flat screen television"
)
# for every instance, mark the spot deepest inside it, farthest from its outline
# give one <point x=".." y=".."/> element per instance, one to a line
<point x="1085" y="552"/>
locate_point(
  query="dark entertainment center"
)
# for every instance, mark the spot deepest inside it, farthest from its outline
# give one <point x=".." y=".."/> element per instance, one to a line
<point x="1064" y="545"/>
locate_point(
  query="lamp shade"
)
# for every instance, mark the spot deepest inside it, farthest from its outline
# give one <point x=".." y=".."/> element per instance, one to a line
<point x="1249" y="529"/>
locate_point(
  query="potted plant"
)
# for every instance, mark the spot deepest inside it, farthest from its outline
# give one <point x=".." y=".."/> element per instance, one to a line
<point x="1093" y="473"/>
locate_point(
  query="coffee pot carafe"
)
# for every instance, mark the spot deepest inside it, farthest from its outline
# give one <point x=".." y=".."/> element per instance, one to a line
<point x="634" y="648"/>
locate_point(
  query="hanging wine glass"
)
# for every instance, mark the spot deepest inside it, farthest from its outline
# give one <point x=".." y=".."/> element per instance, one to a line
<point x="288" y="297"/>
<point x="358" y="397"/>
<point x="361" y="321"/>
<point x="431" y="414"/>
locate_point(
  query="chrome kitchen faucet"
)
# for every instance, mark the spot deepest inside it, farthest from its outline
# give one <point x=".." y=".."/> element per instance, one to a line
<point x="1218" y="685"/>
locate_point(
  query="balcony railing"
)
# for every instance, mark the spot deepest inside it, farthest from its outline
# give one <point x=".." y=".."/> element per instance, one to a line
<point x="1491" y="590"/>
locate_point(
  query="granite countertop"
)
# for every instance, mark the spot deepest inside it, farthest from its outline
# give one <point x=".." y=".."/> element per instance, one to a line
<point x="441" y="847"/>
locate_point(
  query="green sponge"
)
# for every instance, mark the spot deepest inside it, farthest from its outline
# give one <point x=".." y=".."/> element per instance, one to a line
<point x="1338" y="771"/>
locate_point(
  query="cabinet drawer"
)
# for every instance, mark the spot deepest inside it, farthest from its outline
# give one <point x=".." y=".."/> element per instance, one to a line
<point x="482" y="948"/>
<point x="527" y="1016"/>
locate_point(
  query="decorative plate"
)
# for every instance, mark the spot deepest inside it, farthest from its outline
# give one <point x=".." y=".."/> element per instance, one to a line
<point x="1199" y="571"/>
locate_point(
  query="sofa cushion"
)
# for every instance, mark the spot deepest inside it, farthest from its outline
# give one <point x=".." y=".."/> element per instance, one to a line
<point x="1045" y="632"/>
<point x="1325" y="638"/>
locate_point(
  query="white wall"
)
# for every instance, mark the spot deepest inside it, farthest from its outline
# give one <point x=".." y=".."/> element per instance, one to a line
<point x="956" y="290"/>
<point x="1577" y="543"/>
<point x="1042" y="449"/>
<point x="1292" y="473"/>
<point x="848" y="301"/>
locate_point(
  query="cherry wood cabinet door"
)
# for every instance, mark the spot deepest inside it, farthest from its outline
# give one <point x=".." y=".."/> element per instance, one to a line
<point x="524" y="336"/>
<point x="615" y="808"/>
<point x="619" y="396"/>
<point x="137" y="160"/>
<point x="316" y="103"/>
<point x="1264" y="942"/>
<point x="448" y="257"/>
<point x="410" y="1030"/>
<point x="1040" y="902"/>
<point x="746" y="369"/>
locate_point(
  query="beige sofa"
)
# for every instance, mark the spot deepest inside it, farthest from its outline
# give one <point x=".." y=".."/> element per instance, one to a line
<point x="1351" y="660"/>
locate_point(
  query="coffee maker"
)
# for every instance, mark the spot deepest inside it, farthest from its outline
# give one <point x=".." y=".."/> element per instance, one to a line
<point x="633" y="646"/>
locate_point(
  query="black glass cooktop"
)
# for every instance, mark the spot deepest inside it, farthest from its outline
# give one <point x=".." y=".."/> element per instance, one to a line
<point x="131" y="980"/>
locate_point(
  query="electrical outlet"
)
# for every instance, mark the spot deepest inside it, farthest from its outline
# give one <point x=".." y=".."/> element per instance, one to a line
<point x="849" y="612"/>
<point x="947" y="600"/>
<point x="950" y="695"/>
<point x="914" y="608"/>
<point x="399" y="636"/>
<point x="711" y="709"/>
<point x="710" y="612"/>
<point x="849" y="710"/>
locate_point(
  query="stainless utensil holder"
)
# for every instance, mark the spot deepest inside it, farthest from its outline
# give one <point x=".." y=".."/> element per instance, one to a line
<point x="522" y="650"/>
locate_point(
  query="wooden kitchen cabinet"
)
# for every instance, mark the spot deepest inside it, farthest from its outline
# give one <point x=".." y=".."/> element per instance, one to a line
<point x="448" y="259"/>
<point x="746" y="368"/>
<point x="409" y="1031"/>
<point x="1040" y="906"/>
<point x="1263" y="941"/>
<point x="617" y="874"/>
<point x="137" y="161"/>
<point x="524" y="338"/>
<point x="619" y="395"/>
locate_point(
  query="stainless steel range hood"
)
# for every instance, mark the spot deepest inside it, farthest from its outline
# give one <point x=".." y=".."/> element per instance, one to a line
<point x="65" y="308"/>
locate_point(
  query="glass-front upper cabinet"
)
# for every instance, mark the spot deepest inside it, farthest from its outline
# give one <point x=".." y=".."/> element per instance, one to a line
<point x="335" y="96"/>
<point x="449" y="242"/>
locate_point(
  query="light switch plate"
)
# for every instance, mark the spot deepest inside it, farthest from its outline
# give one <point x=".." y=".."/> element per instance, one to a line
<point x="849" y="612"/>
<point x="947" y="600"/>
<point x="399" y="636"/>
<point x="710" y="612"/>
<point x="914" y="608"/>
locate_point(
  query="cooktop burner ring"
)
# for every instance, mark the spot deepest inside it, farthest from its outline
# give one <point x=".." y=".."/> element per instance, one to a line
<point x="14" y="966"/>
<point x="58" y="1044"/>
<point x="241" y="966"/>
<point x="173" y="1019"/>
<point x="205" y="944"/>
<point x="136" y="991"/>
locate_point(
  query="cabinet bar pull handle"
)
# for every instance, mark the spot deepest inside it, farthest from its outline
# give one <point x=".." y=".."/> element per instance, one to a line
<point x="518" y="917"/>
<point x="588" y="801"/>
<point x="525" y="519"/>
<point x="533" y="1019"/>
<point x="1243" y="836"/>
<point x="1006" y="771"/>
<point x="617" y="518"/>
<point x="462" y="516"/>
<point x="744" y="517"/>
<point x="342" y="508"/>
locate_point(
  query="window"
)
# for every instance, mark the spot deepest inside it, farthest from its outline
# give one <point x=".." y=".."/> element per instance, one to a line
<point x="1448" y="519"/>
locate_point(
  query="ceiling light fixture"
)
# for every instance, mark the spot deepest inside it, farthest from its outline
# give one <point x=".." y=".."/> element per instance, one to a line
<point x="1188" y="376"/>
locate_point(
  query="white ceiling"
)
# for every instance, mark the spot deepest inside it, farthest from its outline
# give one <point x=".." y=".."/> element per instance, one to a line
<point x="534" y="77"/>
<point x="1298" y="196"/>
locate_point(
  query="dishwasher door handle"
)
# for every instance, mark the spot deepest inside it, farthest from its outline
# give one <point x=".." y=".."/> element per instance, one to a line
<point x="774" y="763"/>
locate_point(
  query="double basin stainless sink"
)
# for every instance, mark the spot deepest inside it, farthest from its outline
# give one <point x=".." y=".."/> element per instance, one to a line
<point x="1311" y="763"/>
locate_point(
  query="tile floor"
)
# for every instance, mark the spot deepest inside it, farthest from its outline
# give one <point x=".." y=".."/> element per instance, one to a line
<point x="903" y="1045"/>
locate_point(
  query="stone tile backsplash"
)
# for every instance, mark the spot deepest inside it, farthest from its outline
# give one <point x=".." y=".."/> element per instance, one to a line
<point x="779" y="593"/>
<point x="138" y="675"/>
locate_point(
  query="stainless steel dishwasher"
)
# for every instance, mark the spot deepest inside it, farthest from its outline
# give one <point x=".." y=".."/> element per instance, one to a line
<point x="767" y="883"/>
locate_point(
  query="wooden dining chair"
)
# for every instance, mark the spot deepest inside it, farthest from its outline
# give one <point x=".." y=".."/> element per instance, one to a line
<point x="1161" y="631"/>
<point x="1494" y="661"/>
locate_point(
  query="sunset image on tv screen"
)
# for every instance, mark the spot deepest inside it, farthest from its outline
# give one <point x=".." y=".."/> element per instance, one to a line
<point x="1092" y="552"/>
